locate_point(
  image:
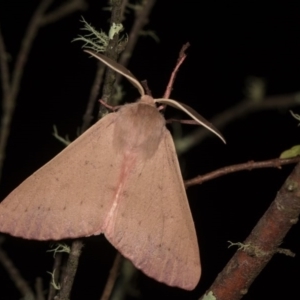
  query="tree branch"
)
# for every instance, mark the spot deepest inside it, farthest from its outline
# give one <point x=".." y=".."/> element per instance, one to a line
<point x="263" y="242"/>
<point x="113" y="275"/>
<point x="141" y="19"/>
<point x="272" y="163"/>
<point x="180" y="60"/>
<point x="70" y="272"/>
<point x="88" y="115"/>
<point x="112" y="52"/>
<point x="15" y="275"/>
<point x="62" y="11"/>
<point x="4" y="69"/>
<point x="10" y="91"/>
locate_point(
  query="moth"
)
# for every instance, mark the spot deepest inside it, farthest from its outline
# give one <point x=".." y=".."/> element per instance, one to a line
<point x="120" y="178"/>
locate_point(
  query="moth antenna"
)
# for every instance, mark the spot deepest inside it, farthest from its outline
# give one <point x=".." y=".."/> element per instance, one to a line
<point x="193" y="114"/>
<point x="187" y="109"/>
<point x="118" y="68"/>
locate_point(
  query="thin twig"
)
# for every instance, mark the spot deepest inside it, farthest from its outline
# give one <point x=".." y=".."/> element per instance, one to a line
<point x="4" y="68"/>
<point x="15" y="276"/>
<point x="112" y="52"/>
<point x="113" y="275"/>
<point x="56" y="268"/>
<point x="88" y="115"/>
<point x="180" y="60"/>
<point x="243" y="108"/>
<point x="141" y="19"/>
<point x="71" y="269"/>
<point x="26" y="44"/>
<point x="11" y="90"/>
<point x="123" y="9"/>
<point x="39" y="289"/>
<point x="62" y="11"/>
<point x="261" y="244"/>
<point x="272" y="163"/>
<point x="9" y="102"/>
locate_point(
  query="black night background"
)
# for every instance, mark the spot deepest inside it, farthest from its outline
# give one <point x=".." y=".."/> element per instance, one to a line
<point x="232" y="45"/>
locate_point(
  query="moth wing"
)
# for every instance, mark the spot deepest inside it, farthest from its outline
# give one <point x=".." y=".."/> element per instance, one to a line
<point x="158" y="235"/>
<point x="69" y="196"/>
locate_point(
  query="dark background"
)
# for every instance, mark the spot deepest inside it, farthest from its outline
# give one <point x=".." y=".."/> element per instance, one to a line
<point x="229" y="42"/>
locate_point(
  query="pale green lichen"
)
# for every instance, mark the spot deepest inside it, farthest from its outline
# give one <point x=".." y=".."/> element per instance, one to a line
<point x="209" y="296"/>
<point x="249" y="249"/>
<point x="94" y="40"/>
<point x="53" y="283"/>
<point x="66" y="141"/>
<point x="295" y="150"/>
<point x="115" y="29"/>
<point x="290" y="153"/>
<point x="295" y="116"/>
<point x="60" y="248"/>
<point x="240" y="245"/>
<point x="98" y="40"/>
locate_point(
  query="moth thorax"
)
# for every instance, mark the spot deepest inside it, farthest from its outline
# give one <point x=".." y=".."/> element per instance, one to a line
<point x="138" y="128"/>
